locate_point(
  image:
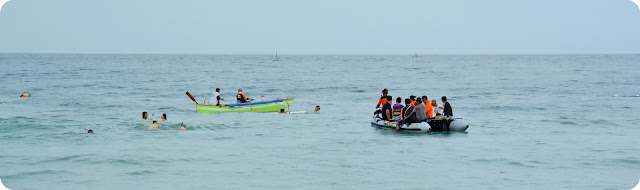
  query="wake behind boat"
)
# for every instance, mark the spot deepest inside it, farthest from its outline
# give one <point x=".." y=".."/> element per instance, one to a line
<point x="261" y="106"/>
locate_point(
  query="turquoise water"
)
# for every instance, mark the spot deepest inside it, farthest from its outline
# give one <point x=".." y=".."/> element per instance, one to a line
<point x="537" y="122"/>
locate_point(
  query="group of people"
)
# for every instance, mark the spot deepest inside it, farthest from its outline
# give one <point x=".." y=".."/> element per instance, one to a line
<point x="415" y="109"/>
<point x="240" y="97"/>
<point x="155" y="125"/>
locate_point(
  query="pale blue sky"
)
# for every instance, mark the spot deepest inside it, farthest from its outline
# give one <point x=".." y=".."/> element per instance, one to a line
<point x="320" y="27"/>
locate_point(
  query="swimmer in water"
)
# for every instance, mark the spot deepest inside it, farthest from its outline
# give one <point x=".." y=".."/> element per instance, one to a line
<point x="90" y="131"/>
<point x="145" y="116"/>
<point x="318" y="109"/>
<point x="163" y="117"/>
<point x="25" y="95"/>
<point x="154" y="126"/>
<point x="282" y="111"/>
<point x="182" y="127"/>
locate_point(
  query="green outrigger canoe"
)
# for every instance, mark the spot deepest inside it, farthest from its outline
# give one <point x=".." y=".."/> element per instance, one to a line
<point x="262" y="106"/>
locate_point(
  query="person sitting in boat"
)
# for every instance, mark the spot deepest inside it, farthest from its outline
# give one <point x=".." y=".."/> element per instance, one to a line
<point x="387" y="112"/>
<point x="428" y="109"/>
<point x="241" y="97"/>
<point x="383" y="98"/>
<point x="413" y="100"/>
<point x="25" y="95"/>
<point x="145" y="116"/>
<point x="447" y="107"/>
<point x="217" y="97"/>
<point x="397" y="111"/>
<point x="418" y="114"/>
<point x="163" y="117"/>
<point x="317" y="108"/>
<point x="438" y="109"/>
<point x="408" y="108"/>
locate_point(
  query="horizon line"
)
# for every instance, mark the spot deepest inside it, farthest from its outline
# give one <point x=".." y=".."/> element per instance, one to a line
<point x="295" y="54"/>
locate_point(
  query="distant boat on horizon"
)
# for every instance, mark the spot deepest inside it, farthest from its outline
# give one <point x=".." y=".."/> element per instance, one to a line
<point x="276" y="58"/>
<point x="416" y="55"/>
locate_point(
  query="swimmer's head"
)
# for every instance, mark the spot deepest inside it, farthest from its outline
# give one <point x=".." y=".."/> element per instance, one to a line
<point x="90" y="131"/>
<point x="155" y="122"/>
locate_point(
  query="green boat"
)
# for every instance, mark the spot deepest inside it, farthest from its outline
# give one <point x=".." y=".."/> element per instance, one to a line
<point x="262" y="106"/>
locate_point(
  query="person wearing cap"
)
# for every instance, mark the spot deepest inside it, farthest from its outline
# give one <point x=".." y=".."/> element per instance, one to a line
<point x="317" y="108"/>
<point x="216" y="95"/>
<point x="154" y="125"/>
<point x="383" y="98"/>
<point x="240" y="97"/>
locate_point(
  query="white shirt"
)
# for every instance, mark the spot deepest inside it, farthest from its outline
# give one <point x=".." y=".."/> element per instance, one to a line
<point x="438" y="109"/>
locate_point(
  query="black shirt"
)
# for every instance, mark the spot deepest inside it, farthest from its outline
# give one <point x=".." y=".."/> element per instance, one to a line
<point x="386" y="107"/>
<point x="406" y="111"/>
<point x="447" y="109"/>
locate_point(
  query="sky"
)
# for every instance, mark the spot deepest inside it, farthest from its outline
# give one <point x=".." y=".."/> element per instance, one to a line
<point x="320" y="27"/>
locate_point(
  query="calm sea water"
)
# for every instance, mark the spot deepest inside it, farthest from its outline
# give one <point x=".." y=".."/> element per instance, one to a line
<point x="537" y="122"/>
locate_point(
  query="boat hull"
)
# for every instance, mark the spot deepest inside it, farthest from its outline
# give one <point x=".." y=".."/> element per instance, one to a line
<point x="430" y="125"/>
<point x="264" y="106"/>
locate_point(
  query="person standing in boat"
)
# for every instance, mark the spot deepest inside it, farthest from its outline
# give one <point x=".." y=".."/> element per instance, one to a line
<point x="447" y="107"/>
<point x="241" y="97"/>
<point x="383" y="98"/>
<point x="216" y="95"/>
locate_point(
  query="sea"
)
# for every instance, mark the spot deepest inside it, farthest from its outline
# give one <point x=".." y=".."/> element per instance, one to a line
<point x="536" y="122"/>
